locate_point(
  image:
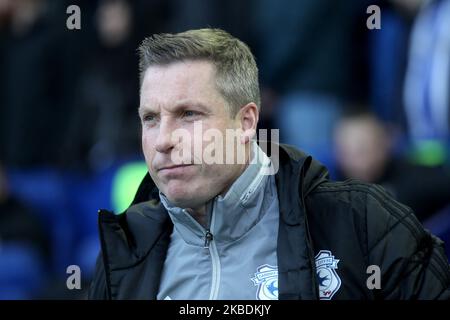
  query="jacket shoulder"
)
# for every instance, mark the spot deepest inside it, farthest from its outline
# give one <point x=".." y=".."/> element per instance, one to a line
<point x="412" y="261"/>
<point x="370" y="203"/>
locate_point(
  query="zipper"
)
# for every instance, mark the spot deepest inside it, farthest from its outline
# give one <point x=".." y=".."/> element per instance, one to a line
<point x="208" y="238"/>
<point x="210" y="244"/>
<point x="215" y="261"/>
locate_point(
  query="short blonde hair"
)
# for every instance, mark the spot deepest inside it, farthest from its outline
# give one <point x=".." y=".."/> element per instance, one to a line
<point x="236" y="70"/>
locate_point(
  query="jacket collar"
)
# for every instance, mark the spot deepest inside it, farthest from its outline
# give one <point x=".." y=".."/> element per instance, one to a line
<point x="231" y="215"/>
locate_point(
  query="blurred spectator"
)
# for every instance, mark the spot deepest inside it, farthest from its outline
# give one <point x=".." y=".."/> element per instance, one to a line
<point x="409" y="7"/>
<point x="307" y="64"/>
<point x="387" y="57"/>
<point x="231" y="15"/>
<point x="31" y="88"/>
<point x="104" y="123"/>
<point x="427" y="83"/>
<point x="364" y="152"/>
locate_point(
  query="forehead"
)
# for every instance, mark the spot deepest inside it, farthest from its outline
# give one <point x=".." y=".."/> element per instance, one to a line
<point x="185" y="80"/>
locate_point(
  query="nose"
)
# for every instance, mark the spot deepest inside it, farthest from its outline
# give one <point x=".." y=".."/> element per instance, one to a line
<point x="164" y="142"/>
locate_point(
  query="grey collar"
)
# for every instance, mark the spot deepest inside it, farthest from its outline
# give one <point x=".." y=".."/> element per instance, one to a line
<point x="232" y="215"/>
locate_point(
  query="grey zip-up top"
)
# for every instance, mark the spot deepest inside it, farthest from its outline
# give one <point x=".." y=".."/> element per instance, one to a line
<point x="236" y="257"/>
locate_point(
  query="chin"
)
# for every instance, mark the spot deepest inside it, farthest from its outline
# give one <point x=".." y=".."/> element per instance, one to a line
<point x="179" y="195"/>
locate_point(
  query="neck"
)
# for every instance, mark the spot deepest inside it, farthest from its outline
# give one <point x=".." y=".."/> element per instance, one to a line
<point x="200" y="215"/>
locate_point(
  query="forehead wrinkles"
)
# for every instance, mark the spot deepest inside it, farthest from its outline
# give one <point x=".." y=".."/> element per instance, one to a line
<point x="182" y="73"/>
<point x="168" y="85"/>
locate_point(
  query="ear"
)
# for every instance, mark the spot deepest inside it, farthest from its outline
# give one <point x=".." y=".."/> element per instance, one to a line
<point x="248" y="117"/>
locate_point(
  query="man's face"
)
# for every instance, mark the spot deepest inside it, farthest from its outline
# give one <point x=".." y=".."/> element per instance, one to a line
<point x="362" y="149"/>
<point x="174" y="99"/>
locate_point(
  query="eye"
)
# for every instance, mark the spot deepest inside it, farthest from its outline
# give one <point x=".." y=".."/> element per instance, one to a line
<point x="189" y="113"/>
<point x="149" y="119"/>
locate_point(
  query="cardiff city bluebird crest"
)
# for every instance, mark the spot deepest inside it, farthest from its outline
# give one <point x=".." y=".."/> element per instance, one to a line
<point x="266" y="278"/>
<point x="327" y="277"/>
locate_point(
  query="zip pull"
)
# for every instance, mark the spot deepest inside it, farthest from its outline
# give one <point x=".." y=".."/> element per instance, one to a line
<point x="208" y="238"/>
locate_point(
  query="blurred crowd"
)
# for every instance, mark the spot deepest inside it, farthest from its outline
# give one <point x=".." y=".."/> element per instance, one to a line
<point x="371" y="105"/>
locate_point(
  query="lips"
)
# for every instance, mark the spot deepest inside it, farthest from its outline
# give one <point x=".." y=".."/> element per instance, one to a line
<point x="174" y="167"/>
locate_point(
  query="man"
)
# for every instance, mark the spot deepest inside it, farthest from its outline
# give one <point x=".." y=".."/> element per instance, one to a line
<point x="202" y="229"/>
<point x="364" y="151"/>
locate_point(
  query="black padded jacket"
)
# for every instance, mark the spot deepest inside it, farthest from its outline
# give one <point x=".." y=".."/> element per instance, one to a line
<point x="353" y="225"/>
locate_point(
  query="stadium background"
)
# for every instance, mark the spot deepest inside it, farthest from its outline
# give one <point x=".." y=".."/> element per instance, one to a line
<point x="370" y="104"/>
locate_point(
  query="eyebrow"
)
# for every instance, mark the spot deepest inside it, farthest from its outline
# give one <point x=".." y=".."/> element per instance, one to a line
<point x="183" y="105"/>
<point x="190" y="104"/>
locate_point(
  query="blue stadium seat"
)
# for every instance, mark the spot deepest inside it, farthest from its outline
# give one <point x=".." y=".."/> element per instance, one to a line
<point x="43" y="190"/>
<point x="21" y="271"/>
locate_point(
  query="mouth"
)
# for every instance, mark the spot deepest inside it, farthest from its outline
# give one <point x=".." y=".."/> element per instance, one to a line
<point x="169" y="168"/>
